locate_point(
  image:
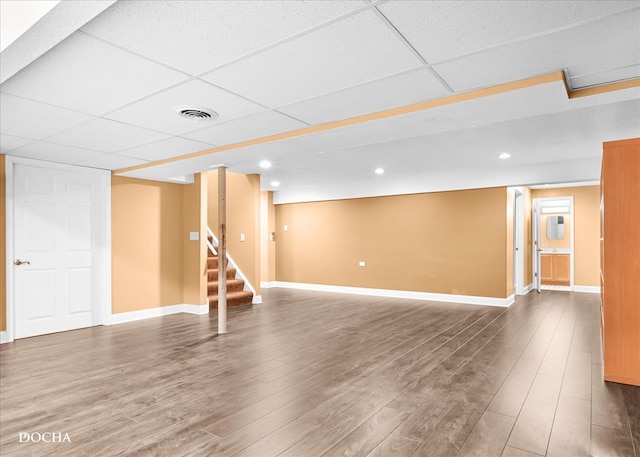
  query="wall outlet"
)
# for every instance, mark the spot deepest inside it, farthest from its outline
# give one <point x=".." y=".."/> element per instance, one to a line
<point x="286" y="228"/>
<point x="361" y="263"/>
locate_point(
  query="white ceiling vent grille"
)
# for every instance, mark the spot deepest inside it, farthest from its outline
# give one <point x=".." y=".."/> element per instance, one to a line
<point x="196" y="113"/>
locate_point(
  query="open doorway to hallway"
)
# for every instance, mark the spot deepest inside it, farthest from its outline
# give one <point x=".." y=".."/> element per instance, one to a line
<point x="553" y="243"/>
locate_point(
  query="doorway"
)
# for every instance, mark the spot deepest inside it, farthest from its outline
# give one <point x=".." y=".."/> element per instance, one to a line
<point x="553" y="243"/>
<point x="58" y="247"/>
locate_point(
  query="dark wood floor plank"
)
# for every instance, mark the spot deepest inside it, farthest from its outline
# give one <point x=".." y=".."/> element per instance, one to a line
<point x="606" y="442"/>
<point x="395" y="446"/>
<point x="571" y="429"/>
<point x="511" y="396"/>
<point x="306" y="374"/>
<point x="368" y="435"/>
<point x="632" y="402"/>
<point x="608" y="408"/>
<point x="488" y="437"/>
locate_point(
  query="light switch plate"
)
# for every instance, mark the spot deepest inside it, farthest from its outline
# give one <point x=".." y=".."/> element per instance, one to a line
<point x="242" y="237"/>
<point x="194" y="236"/>
<point x="361" y="263"/>
<point x="286" y="228"/>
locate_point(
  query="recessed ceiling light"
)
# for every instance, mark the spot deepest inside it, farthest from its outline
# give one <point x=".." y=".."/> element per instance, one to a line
<point x="379" y="171"/>
<point x="504" y="155"/>
<point x="196" y="113"/>
<point x="275" y="183"/>
<point x="265" y="164"/>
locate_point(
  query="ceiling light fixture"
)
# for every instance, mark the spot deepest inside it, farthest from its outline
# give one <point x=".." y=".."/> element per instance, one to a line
<point x="195" y="113"/>
<point x="379" y="171"/>
<point x="275" y="183"/>
<point x="504" y="155"/>
<point x="265" y="164"/>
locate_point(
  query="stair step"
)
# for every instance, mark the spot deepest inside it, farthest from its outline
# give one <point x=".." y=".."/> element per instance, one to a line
<point x="212" y="262"/>
<point x="233" y="285"/>
<point x="233" y="299"/>
<point x="212" y="274"/>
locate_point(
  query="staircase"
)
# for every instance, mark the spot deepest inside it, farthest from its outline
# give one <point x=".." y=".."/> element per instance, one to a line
<point x="236" y="295"/>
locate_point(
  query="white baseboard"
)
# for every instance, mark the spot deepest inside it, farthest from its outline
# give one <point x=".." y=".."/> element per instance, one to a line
<point x="130" y="316"/>
<point x="4" y="338"/>
<point x="268" y="284"/>
<point x="257" y="299"/>
<point x="466" y="299"/>
<point x="587" y="289"/>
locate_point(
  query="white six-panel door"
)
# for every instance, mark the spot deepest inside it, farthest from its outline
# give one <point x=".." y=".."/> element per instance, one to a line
<point x="57" y="270"/>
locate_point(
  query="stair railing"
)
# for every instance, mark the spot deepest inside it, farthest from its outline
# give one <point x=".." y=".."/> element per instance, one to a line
<point x="232" y="264"/>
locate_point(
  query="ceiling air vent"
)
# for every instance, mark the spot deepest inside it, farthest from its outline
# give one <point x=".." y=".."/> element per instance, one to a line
<point x="196" y="113"/>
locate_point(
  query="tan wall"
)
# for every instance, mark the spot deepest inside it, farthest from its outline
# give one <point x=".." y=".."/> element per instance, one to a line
<point x="243" y="216"/>
<point x="444" y="242"/>
<point x="267" y="245"/>
<point x="510" y="242"/>
<point x="587" y="230"/>
<point x="150" y="222"/>
<point x="528" y="237"/>
<point x="194" y="253"/>
<point x="3" y="246"/>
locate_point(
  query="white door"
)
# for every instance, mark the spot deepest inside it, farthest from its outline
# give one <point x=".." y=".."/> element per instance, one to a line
<point x="56" y="282"/>
<point x="536" y="245"/>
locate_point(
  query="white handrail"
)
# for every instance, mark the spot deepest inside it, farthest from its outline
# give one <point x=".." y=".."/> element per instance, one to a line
<point x="232" y="264"/>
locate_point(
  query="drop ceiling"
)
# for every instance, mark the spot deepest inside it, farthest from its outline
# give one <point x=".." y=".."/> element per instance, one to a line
<point x="96" y="83"/>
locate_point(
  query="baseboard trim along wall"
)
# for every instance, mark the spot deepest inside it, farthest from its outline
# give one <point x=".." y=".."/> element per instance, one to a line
<point x="466" y="299"/>
<point x="3" y="337"/>
<point x="257" y="299"/>
<point x="131" y="316"/>
<point x="587" y="289"/>
<point x="527" y="289"/>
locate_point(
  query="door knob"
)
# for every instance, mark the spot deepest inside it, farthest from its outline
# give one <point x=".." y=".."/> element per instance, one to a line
<point x="21" y="262"/>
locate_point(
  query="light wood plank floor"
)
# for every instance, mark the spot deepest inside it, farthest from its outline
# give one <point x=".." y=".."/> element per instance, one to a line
<point x="316" y="374"/>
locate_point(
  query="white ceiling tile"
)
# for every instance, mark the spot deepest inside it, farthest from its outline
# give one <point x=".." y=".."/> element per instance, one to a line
<point x="112" y="162"/>
<point x="197" y="36"/>
<point x="56" y="153"/>
<point x="444" y="30"/>
<point x="89" y="75"/>
<point x="398" y="90"/>
<point x="156" y="112"/>
<point x="8" y="142"/>
<point x="352" y="51"/>
<point x="595" y="47"/>
<point x="29" y="119"/>
<point x="594" y="79"/>
<point x="165" y="149"/>
<point x="256" y="126"/>
<point x="106" y="136"/>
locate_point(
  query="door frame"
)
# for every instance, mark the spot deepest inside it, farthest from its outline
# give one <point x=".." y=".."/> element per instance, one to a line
<point x="101" y="247"/>
<point x="536" y="213"/>
<point x="518" y="245"/>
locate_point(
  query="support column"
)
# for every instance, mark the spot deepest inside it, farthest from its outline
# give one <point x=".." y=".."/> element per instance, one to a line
<point x="222" y="250"/>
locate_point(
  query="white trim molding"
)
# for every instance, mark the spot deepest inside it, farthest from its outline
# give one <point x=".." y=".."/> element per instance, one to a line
<point x="587" y="289"/>
<point x="4" y="338"/>
<point x="131" y="316"/>
<point x="450" y="298"/>
<point x="527" y="289"/>
<point x="268" y="284"/>
<point x="257" y="299"/>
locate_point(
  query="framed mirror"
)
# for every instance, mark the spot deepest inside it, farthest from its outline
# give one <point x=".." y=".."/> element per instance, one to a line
<point x="555" y="227"/>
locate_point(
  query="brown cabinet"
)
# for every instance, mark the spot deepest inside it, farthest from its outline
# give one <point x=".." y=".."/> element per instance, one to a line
<point x="620" y="260"/>
<point x="555" y="269"/>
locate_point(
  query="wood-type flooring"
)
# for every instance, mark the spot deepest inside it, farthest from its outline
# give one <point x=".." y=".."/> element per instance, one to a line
<point x="308" y="374"/>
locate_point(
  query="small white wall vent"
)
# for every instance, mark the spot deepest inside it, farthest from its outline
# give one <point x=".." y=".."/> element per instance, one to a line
<point x="196" y="113"/>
